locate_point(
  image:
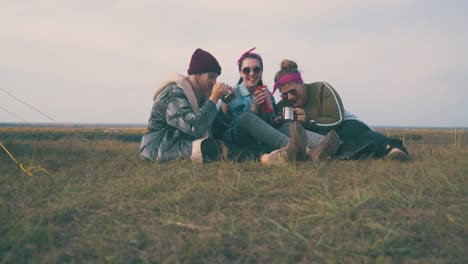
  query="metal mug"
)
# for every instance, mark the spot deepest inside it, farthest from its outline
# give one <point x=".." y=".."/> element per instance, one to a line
<point x="229" y="97"/>
<point x="288" y="113"/>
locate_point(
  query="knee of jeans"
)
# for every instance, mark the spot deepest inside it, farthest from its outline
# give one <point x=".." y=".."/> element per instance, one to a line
<point x="285" y="128"/>
<point x="246" y="119"/>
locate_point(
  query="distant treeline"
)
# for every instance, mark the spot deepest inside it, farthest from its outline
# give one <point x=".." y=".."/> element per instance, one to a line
<point x="121" y="134"/>
<point x="128" y="135"/>
<point x="71" y="125"/>
<point x="135" y="126"/>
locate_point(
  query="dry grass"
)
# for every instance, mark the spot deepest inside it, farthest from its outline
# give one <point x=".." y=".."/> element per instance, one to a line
<point x="99" y="203"/>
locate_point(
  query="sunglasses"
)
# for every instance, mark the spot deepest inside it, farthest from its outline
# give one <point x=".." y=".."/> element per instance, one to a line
<point x="292" y="92"/>
<point x="255" y="69"/>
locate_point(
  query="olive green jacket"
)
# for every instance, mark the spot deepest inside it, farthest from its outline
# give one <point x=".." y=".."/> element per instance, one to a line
<point x="324" y="108"/>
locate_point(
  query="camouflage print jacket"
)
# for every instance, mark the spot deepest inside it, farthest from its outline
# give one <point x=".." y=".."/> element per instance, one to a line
<point x="177" y="125"/>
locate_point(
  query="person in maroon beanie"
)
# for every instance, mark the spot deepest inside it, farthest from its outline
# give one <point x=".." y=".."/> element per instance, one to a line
<point x="183" y="112"/>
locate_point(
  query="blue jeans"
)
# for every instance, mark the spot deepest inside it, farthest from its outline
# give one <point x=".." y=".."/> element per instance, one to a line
<point x="312" y="137"/>
<point x="250" y="131"/>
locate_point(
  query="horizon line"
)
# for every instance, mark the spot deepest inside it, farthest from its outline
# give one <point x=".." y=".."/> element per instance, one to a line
<point x="107" y="125"/>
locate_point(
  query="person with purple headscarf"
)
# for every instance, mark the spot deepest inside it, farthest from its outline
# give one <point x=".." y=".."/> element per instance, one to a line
<point x="319" y="108"/>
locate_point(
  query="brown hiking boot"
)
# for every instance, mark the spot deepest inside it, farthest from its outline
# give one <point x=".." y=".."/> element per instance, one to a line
<point x="326" y="148"/>
<point x="296" y="148"/>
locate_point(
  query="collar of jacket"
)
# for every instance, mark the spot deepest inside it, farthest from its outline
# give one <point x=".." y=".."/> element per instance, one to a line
<point x="243" y="90"/>
<point x="182" y="82"/>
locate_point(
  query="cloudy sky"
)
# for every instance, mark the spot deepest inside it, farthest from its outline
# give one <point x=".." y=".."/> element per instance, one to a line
<point x="394" y="63"/>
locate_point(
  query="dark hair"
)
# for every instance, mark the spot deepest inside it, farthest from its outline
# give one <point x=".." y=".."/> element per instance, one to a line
<point x="252" y="56"/>
<point x="287" y="66"/>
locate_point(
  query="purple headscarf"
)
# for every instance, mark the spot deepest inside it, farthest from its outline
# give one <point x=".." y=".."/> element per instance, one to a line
<point x="242" y="57"/>
<point x="290" y="77"/>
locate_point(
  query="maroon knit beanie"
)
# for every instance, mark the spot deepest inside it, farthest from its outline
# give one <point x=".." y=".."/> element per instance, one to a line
<point x="202" y="61"/>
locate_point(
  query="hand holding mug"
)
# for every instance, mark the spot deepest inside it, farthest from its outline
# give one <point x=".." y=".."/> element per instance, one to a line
<point x="230" y="95"/>
<point x="300" y="115"/>
<point x="219" y="90"/>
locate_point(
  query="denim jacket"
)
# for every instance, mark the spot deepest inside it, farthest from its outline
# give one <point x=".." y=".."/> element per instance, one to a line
<point x="243" y="103"/>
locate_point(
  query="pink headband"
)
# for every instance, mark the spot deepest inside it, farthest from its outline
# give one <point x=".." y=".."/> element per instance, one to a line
<point x="242" y="57"/>
<point x="290" y="77"/>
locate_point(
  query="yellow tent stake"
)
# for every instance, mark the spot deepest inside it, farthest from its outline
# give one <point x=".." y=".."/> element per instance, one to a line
<point x="20" y="165"/>
<point x="8" y="152"/>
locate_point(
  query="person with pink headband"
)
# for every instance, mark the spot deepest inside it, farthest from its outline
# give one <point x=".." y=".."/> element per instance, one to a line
<point x="253" y="126"/>
<point x="320" y="109"/>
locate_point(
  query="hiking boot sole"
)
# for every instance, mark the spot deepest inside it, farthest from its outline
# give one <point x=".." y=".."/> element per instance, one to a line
<point x="398" y="154"/>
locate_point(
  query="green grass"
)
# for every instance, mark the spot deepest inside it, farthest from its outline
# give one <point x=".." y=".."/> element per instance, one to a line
<point x="100" y="203"/>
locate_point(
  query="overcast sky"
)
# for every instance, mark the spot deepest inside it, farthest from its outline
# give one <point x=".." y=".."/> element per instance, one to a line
<point x="395" y="62"/>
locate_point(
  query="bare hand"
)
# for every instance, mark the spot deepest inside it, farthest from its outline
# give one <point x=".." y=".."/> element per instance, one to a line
<point x="229" y="87"/>
<point x="224" y="106"/>
<point x="278" y="120"/>
<point x="300" y="115"/>
<point x="219" y="90"/>
<point x="259" y="98"/>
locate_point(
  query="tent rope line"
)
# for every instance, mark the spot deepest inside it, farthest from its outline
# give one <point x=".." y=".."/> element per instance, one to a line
<point x="13" y="114"/>
<point x="30" y="106"/>
<point x="21" y="166"/>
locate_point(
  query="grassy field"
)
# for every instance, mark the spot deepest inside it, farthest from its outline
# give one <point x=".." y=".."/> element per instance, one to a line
<point x="99" y="203"/>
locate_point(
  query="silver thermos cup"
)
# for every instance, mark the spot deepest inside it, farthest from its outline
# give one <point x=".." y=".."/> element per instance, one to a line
<point x="288" y="113"/>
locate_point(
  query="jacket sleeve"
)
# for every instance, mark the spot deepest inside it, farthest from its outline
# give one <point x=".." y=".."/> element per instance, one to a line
<point x="181" y="115"/>
<point x="331" y="108"/>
